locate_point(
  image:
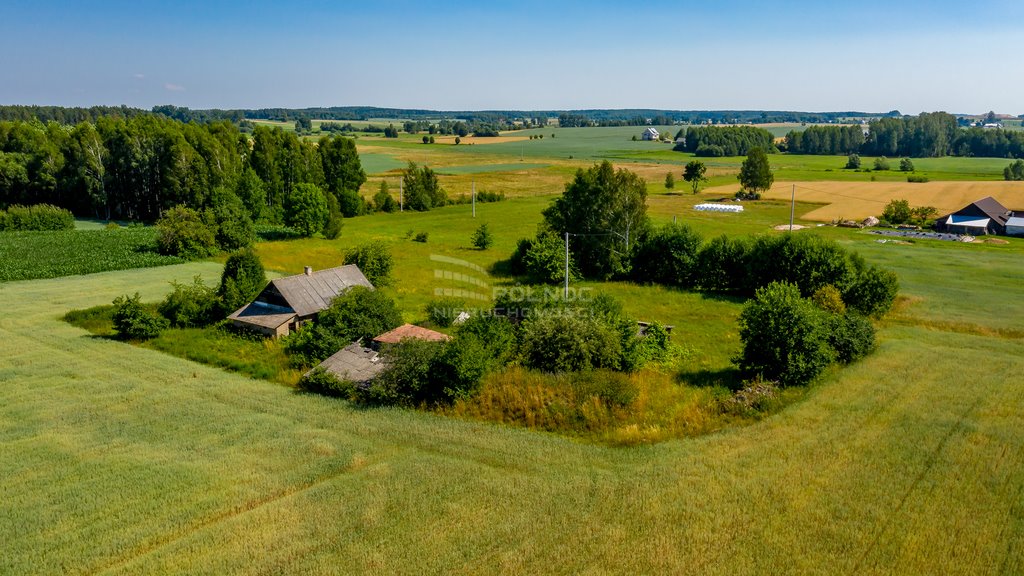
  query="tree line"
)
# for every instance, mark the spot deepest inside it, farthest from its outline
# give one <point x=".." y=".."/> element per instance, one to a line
<point x="928" y="135"/>
<point x="138" y="167"/>
<point x="724" y="140"/>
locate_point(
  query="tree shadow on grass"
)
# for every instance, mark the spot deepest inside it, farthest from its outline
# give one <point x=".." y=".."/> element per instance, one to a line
<point x="726" y="377"/>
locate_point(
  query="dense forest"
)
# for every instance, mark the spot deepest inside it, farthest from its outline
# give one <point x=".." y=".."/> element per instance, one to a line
<point x="135" y="168"/>
<point x="925" y="136"/>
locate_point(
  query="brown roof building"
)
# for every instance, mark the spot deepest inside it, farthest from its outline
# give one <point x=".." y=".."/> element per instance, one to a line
<point x="286" y="303"/>
<point x="986" y="216"/>
<point x="410" y="331"/>
<point x="355" y="363"/>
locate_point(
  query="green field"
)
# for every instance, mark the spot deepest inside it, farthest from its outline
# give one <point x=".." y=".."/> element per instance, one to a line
<point x="28" y="255"/>
<point x="120" y="459"/>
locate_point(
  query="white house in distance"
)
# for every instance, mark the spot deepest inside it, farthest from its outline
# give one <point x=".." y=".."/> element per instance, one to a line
<point x="650" y="134"/>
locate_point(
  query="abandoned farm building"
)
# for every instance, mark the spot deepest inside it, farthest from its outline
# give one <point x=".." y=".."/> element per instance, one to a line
<point x="286" y="303"/>
<point x="410" y="331"/>
<point x="986" y="216"/>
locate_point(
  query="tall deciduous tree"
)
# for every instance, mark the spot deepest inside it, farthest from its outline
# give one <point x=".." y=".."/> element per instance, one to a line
<point x="305" y="209"/>
<point x="340" y="162"/>
<point x="605" y="211"/>
<point x="755" y="173"/>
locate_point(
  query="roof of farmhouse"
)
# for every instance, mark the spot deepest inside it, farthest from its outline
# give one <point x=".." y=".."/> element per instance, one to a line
<point x="355" y="363"/>
<point x="311" y="292"/>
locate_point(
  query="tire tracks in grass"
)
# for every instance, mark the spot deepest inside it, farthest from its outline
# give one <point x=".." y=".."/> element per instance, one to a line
<point x="169" y="538"/>
<point x="918" y="478"/>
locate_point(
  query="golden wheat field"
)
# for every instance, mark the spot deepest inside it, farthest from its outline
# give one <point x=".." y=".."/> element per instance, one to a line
<point x="858" y="200"/>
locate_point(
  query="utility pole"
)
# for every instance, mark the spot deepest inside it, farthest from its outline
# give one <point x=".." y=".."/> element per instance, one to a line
<point x="401" y="195"/>
<point x="474" y="198"/>
<point x="566" y="265"/>
<point x="792" y="208"/>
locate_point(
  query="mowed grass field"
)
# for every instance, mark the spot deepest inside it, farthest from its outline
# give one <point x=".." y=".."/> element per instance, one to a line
<point x="124" y="460"/>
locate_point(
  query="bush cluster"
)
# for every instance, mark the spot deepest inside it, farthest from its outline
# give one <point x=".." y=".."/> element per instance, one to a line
<point x="374" y="260"/>
<point x="38" y="217"/>
<point x="358" y="314"/>
<point x="788" y="339"/>
<point x="134" y="322"/>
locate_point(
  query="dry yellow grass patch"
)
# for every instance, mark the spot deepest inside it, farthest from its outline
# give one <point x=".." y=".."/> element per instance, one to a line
<point x="474" y="140"/>
<point x="857" y="200"/>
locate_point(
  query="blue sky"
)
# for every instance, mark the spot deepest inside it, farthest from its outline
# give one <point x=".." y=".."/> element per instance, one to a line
<point x="816" y="56"/>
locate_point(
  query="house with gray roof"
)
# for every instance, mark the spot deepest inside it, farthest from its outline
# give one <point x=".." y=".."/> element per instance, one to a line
<point x="354" y="363"/>
<point x="287" y="303"/>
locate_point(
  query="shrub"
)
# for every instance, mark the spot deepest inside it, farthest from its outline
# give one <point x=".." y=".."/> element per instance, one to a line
<point x="784" y="337"/>
<point x="420" y="237"/>
<point x="305" y="209"/>
<point x="242" y="279"/>
<point x="851" y="336"/>
<point x="407" y="380"/>
<point x="482" y="238"/>
<point x="382" y="200"/>
<point x="917" y="179"/>
<point x="544" y="260"/>
<point x="332" y="230"/>
<point x="667" y="256"/>
<point x="897" y="212"/>
<point x="351" y="204"/>
<point x="638" y="351"/>
<point x="566" y="341"/>
<point x="38" y="217"/>
<point x="184" y="232"/>
<point x="873" y="292"/>
<point x="721" y="264"/>
<point x="852" y="162"/>
<point x="807" y="261"/>
<point x="443" y="311"/>
<point x="906" y="165"/>
<point x="882" y="163"/>
<point x="191" y="305"/>
<point x="495" y="332"/>
<point x="233" y="226"/>
<point x="829" y="299"/>
<point x="1015" y="171"/>
<point x="358" y="314"/>
<point x="323" y="382"/>
<point x="375" y="261"/>
<point x="133" y="322"/>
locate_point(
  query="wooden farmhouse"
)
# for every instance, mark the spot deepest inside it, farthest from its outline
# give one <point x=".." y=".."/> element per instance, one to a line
<point x="986" y="216"/>
<point x="287" y="303"/>
<point x="650" y="134"/>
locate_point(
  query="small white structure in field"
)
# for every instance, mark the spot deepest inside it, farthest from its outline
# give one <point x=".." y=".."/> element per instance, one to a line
<point x="650" y="134"/>
<point x="732" y="208"/>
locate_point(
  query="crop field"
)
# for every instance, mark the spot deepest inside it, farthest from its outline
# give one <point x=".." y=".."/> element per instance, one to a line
<point x="27" y="255"/>
<point x="907" y="462"/>
<point x="858" y="200"/>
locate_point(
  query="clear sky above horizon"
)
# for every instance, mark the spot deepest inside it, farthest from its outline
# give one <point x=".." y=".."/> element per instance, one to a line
<point x="529" y="55"/>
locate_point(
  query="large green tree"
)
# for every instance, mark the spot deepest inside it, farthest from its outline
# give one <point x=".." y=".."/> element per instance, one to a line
<point x="755" y="173"/>
<point x="340" y="161"/>
<point x="694" y="173"/>
<point x="604" y="211"/>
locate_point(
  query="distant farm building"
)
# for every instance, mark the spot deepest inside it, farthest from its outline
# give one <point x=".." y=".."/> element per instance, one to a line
<point x="986" y="216"/>
<point x="650" y="134"/>
<point x="287" y="303"/>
